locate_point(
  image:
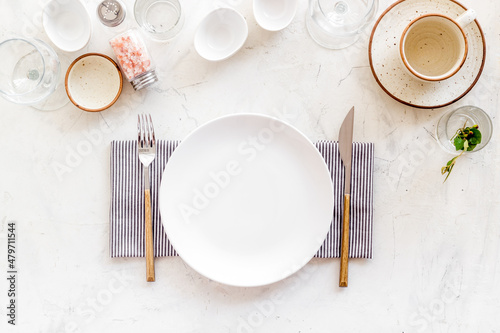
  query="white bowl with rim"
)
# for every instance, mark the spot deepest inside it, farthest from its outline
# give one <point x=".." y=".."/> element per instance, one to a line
<point x="220" y="34"/>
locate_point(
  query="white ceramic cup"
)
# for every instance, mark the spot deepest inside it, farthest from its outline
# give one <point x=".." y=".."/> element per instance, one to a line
<point x="434" y="47"/>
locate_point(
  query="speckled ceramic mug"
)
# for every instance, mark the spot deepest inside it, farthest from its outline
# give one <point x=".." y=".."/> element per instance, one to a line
<point x="434" y="47"/>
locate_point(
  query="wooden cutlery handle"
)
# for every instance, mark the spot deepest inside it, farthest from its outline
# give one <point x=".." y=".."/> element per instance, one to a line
<point x="150" y="256"/>
<point x="344" y="249"/>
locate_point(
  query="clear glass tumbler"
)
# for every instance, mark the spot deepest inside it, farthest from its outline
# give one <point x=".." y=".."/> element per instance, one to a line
<point x="161" y="19"/>
<point x="464" y="116"/>
<point x="337" y="24"/>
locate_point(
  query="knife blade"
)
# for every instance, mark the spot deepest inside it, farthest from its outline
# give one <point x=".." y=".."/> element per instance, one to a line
<point x="345" y="148"/>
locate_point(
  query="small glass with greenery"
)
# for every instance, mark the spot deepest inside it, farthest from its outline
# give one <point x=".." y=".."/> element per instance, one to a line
<point x="467" y="129"/>
<point x="465" y="139"/>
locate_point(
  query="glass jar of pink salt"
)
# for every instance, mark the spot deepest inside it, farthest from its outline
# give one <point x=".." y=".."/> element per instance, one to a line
<point x="134" y="59"/>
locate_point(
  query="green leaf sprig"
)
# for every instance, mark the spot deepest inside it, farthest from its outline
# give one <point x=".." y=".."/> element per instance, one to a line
<point x="465" y="139"/>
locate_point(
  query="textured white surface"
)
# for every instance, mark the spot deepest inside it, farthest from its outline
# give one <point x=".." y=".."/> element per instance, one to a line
<point x="436" y="247"/>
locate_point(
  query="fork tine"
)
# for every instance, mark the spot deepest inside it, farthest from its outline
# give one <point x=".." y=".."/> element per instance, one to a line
<point x="139" y="130"/>
<point x="151" y="131"/>
<point x="144" y="131"/>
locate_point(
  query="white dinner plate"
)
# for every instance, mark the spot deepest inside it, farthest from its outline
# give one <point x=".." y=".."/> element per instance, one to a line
<point x="246" y="200"/>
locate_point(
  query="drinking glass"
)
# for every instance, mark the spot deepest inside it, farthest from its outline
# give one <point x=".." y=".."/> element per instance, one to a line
<point x="30" y="73"/>
<point x="161" y="19"/>
<point x="337" y="24"/>
<point x="464" y="116"/>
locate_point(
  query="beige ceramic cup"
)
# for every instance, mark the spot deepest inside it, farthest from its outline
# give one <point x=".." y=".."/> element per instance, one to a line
<point x="93" y="82"/>
<point x="434" y="47"/>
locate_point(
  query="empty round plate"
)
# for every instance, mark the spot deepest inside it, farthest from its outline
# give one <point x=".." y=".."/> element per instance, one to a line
<point x="246" y="200"/>
<point x="67" y="24"/>
<point x="220" y="34"/>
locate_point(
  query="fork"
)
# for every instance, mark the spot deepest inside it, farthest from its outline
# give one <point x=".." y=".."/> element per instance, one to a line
<point x="146" y="145"/>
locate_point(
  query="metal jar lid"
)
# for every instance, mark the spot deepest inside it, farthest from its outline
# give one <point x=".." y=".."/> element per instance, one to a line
<point x="144" y="80"/>
<point x="111" y="12"/>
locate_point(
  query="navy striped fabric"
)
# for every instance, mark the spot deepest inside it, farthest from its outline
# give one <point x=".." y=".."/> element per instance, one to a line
<point x="127" y="200"/>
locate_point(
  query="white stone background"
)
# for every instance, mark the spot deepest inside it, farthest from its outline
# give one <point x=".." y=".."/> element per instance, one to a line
<point x="436" y="247"/>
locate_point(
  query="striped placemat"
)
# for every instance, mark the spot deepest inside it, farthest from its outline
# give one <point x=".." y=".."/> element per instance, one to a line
<point x="126" y="234"/>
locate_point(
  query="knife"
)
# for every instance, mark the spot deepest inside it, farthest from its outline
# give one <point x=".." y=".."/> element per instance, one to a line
<point x="345" y="148"/>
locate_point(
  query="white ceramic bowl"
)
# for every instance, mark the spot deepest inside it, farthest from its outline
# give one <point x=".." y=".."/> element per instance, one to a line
<point x="220" y="34"/>
<point x="274" y="15"/>
<point x="67" y="23"/>
<point x="93" y="82"/>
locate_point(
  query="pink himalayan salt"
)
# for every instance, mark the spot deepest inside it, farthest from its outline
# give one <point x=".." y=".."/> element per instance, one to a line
<point x="132" y="56"/>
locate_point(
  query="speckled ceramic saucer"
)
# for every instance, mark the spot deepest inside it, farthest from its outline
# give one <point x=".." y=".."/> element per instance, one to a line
<point x="387" y="67"/>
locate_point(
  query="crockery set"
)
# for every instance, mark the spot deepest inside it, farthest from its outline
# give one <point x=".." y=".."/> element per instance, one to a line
<point x="422" y="53"/>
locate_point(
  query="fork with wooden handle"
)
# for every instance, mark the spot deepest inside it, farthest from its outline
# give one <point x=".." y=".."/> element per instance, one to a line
<point x="146" y="145"/>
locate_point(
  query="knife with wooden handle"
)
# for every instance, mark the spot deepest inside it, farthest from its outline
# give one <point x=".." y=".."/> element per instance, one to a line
<point x="345" y="148"/>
